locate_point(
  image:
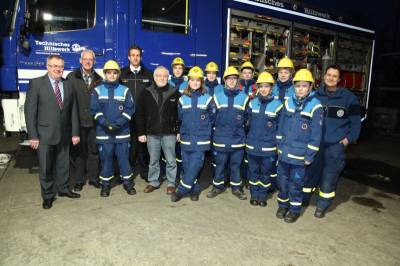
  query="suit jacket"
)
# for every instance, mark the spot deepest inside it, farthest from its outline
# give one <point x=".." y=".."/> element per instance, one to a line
<point x="44" y="118"/>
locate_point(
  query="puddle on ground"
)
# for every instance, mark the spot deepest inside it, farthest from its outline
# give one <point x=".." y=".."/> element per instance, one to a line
<point x="368" y="202"/>
<point x="376" y="174"/>
<point x="382" y="195"/>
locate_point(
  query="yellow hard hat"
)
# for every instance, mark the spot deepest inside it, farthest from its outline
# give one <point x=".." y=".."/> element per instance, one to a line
<point x="303" y="75"/>
<point x="247" y="64"/>
<point x="178" y="61"/>
<point x="111" y="65"/>
<point x="211" y="67"/>
<point x="265" y="77"/>
<point x="286" y="62"/>
<point x="231" y="71"/>
<point x="195" y="72"/>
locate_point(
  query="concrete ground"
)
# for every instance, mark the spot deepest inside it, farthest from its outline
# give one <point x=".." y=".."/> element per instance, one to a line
<point x="147" y="229"/>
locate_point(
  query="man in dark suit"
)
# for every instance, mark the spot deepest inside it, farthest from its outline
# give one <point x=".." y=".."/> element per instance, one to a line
<point x="51" y="115"/>
<point x="85" y="155"/>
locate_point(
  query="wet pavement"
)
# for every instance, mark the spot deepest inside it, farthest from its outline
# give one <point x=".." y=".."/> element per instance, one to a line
<point x="361" y="228"/>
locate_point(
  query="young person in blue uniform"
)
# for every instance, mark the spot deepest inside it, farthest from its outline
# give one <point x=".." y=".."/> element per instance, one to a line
<point x="263" y="116"/>
<point x="298" y="137"/>
<point x="283" y="88"/>
<point x="196" y="113"/>
<point x="211" y="82"/>
<point x="247" y="83"/>
<point x="177" y="79"/>
<point x="112" y="106"/>
<point x="229" y="134"/>
<point x="342" y="125"/>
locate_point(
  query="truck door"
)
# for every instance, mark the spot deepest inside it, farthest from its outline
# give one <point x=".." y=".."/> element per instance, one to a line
<point x="61" y="27"/>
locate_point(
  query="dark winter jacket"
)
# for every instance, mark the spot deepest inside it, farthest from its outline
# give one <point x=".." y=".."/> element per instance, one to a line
<point x="157" y="111"/>
<point x="83" y="93"/>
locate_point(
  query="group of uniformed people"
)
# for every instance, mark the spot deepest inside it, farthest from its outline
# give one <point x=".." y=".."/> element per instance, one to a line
<point x="265" y="133"/>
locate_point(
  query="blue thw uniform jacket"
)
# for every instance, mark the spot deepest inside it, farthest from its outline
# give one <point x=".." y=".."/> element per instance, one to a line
<point x="342" y="115"/>
<point x="213" y="87"/>
<point x="263" y="118"/>
<point x="229" y="124"/>
<point x="196" y="114"/>
<point x="112" y="103"/>
<point x="283" y="91"/>
<point x="248" y="86"/>
<point x="300" y="130"/>
<point x="179" y="83"/>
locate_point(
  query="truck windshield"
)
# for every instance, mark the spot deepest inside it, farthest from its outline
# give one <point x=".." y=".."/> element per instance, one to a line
<point x="6" y="14"/>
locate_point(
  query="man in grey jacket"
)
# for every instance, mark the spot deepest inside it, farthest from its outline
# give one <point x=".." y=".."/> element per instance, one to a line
<point x="52" y="121"/>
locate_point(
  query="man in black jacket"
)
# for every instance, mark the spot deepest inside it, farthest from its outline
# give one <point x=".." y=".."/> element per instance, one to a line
<point x="137" y="77"/>
<point x="157" y="125"/>
<point x="84" y="156"/>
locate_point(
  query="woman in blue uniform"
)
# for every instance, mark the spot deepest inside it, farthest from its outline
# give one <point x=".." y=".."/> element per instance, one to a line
<point x="196" y="112"/>
<point x="298" y="137"/>
<point x="263" y="112"/>
<point x="211" y="82"/>
<point x="229" y="135"/>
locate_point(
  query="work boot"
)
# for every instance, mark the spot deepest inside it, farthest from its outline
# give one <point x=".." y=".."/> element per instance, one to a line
<point x="319" y="213"/>
<point x="262" y="203"/>
<point x="176" y="196"/>
<point x="130" y="189"/>
<point x="281" y="213"/>
<point x="254" y="202"/>
<point x="239" y="194"/>
<point x="214" y="192"/>
<point x="105" y="191"/>
<point x="291" y="217"/>
<point x="194" y="197"/>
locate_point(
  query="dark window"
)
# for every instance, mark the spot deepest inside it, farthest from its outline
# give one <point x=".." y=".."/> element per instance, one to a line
<point x="165" y="15"/>
<point x="6" y="14"/>
<point x="65" y="15"/>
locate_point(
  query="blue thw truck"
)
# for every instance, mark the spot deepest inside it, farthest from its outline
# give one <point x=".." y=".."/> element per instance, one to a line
<point x="228" y="32"/>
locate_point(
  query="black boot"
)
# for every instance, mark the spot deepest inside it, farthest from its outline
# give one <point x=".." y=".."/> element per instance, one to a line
<point x="194" y="197"/>
<point x="105" y="191"/>
<point x="176" y="196"/>
<point x="239" y="194"/>
<point x="214" y="192"/>
<point x="319" y="213"/>
<point x="281" y="213"/>
<point x="262" y="203"/>
<point x="130" y="189"/>
<point x="291" y="217"/>
<point x="253" y="202"/>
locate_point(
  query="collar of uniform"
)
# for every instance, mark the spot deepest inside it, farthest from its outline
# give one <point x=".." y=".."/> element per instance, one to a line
<point x="137" y="69"/>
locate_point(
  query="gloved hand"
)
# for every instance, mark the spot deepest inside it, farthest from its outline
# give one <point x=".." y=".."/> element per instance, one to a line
<point x="110" y="128"/>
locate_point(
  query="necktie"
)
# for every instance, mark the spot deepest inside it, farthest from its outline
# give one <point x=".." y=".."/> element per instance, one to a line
<point x="135" y="72"/>
<point x="58" y="94"/>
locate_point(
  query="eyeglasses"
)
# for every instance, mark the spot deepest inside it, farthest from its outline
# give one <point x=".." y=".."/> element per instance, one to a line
<point x="56" y="66"/>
